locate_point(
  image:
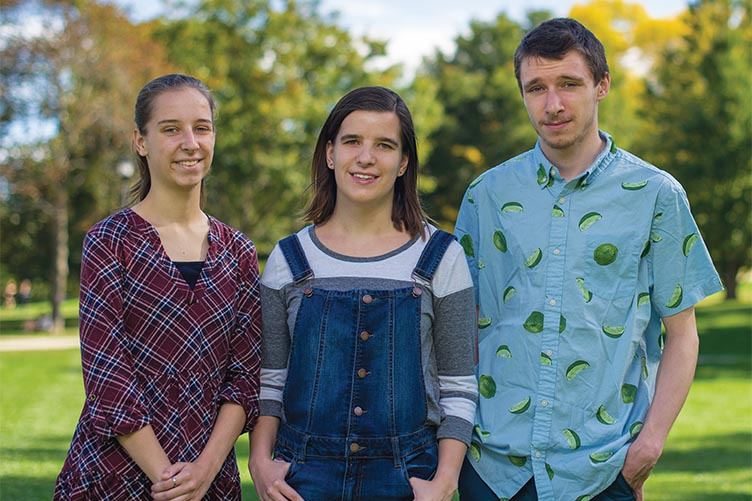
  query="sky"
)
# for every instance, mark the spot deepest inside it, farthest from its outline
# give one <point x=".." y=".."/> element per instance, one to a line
<point x="414" y="29"/>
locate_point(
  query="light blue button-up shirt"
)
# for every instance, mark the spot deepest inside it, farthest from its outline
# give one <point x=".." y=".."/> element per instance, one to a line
<point x="572" y="279"/>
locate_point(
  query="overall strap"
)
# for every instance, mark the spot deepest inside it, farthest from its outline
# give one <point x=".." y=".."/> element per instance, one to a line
<point x="432" y="254"/>
<point x="296" y="259"/>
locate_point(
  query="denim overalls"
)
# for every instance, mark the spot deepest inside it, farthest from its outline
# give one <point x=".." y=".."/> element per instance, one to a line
<point x="354" y="401"/>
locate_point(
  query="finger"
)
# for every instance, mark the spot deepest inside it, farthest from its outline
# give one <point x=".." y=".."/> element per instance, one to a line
<point x="173" y="470"/>
<point x="287" y="492"/>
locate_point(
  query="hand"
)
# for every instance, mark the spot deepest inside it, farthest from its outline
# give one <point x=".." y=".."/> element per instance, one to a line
<point x="269" y="479"/>
<point x="183" y="482"/>
<point x="642" y="456"/>
<point x="437" y="489"/>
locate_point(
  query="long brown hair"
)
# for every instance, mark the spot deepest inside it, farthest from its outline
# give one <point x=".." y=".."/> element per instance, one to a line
<point x="142" y="114"/>
<point x="407" y="213"/>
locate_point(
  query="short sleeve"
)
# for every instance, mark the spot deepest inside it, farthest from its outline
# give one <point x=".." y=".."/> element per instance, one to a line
<point x="467" y="233"/>
<point x="681" y="268"/>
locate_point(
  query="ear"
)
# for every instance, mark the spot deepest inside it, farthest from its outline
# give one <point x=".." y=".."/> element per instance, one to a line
<point x="330" y="155"/>
<point x="603" y="86"/>
<point x="138" y="143"/>
<point x="403" y="164"/>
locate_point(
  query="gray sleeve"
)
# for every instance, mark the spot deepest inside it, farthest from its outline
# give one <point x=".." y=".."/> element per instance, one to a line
<point x="275" y="350"/>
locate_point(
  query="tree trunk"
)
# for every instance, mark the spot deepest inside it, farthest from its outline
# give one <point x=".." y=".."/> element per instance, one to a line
<point x="60" y="271"/>
<point x="728" y="275"/>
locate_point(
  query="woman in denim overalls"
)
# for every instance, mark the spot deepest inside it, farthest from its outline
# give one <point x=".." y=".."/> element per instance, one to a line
<point x="368" y="390"/>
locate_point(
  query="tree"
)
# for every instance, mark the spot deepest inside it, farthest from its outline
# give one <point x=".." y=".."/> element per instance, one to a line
<point x="80" y="70"/>
<point x="276" y="68"/>
<point x="700" y="126"/>
<point x="485" y="122"/>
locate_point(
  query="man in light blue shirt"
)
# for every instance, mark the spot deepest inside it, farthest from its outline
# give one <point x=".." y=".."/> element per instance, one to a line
<point x="579" y="252"/>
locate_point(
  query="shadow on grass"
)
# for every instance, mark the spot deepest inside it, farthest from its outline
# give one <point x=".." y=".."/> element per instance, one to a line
<point x="716" y="453"/>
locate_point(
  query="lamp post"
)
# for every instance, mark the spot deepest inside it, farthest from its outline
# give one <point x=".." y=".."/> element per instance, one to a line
<point x="125" y="169"/>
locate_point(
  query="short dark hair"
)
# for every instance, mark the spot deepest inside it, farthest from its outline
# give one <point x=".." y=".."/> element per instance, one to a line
<point x="143" y="111"/>
<point x="554" y="38"/>
<point x="407" y="213"/>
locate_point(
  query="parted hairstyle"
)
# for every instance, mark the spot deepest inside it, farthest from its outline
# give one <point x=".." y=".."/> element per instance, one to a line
<point x="142" y="114"/>
<point x="554" y="38"/>
<point x="407" y="213"/>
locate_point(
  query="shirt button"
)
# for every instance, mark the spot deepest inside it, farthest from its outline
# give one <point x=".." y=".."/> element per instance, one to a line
<point x="354" y="447"/>
<point x="549" y="352"/>
<point x="553" y="172"/>
<point x="562" y="200"/>
<point x="544" y="403"/>
<point x="358" y="411"/>
<point x="92" y="397"/>
<point x="537" y="454"/>
<point x="557" y="252"/>
<point x="367" y="299"/>
<point x="362" y="373"/>
<point x="365" y="335"/>
<point x="552" y="302"/>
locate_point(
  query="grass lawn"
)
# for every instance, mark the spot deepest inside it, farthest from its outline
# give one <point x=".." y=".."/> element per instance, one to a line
<point x="708" y="454"/>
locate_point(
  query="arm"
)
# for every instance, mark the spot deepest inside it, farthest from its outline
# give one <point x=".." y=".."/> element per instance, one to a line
<point x="143" y="447"/>
<point x="675" y="373"/>
<point x="444" y="483"/>
<point x="194" y="479"/>
<point x="268" y="474"/>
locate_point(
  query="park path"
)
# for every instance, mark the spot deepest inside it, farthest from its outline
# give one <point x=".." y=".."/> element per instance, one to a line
<point x="36" y="342"/>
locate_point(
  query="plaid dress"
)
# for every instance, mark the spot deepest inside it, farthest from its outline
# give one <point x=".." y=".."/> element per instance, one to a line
<point x="154" y="351"/>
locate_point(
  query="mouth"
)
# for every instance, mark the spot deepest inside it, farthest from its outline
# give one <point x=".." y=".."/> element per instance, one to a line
<point x="560" y="124"/>
<point x="188" y="163"/>
<point x="363" y="177"/>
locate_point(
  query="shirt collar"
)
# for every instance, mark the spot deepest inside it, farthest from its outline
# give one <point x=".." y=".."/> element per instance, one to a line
<point x="547" y="172"/>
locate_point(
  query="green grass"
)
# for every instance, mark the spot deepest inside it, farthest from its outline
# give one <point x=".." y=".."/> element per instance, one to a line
<point x="708" y="454"/>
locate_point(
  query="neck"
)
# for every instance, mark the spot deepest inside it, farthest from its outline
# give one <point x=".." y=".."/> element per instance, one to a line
<point x="576" y="159"/>
<point x="162" y="208"/>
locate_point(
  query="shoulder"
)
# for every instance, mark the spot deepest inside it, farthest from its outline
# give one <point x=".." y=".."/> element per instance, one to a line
<point x="490" y="179"/>
<point x="636" y="174"/>
<point x="113" y="230"/>
<point x="452" y="274"/>
<point x="277" y="272"/>
<point x="234" y="239"/>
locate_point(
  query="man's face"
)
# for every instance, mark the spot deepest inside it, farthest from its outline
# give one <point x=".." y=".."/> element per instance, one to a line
<point x="562" y="99"/>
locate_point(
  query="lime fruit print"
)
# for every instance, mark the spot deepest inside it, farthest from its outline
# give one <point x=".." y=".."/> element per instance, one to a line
<point x="484" y="322"/>
<point x="643" y="298"/>
<point x="628" y="392"/>
<point x="572" y="438"/>
<point x="508" y="293"/>
<point x="541" y="174"/>
<point x="605" y="254"/>
<point x="534" y="322"/>
<point x="586" y="294"/>
<point x="575" y="368"/>
<point x="511" y="207"/>
<point x="474" y="450"/>
<point x="634" y="186"/>
<point x="676" y="298"/>
<point x="545" y="359"/>
<point x="481" y="433"/>
<point x="603" y="416"/>
<point x="487" y="386"/>
<point x="503" y="351"/>
<point x="534" y="258"/>
<point x="588" y="220"/>
<point x="612" y="332"/>
<point x="689" y="241"/>
<point x="600" y="457"/>
<point x="557" y="211"/>
<point x="520" y="406"/>
<point x="500" y="241"/>
<point x="518" y="460"/>
<point x="549" y="471"/>
<point x="467" y="245"/>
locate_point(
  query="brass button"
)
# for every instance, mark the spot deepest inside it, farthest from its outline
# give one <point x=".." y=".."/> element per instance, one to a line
<point x="365" y="335"/>
<point x="308" y="292"/>
<point x="362" y="373"/>
<point x="367" y="299"/>
<point x="358" y="411"/>
<point x="417" y="291"/>
<point x="354" y="447"/>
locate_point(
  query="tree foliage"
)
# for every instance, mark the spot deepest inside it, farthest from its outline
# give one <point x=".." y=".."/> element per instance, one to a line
<point x="699" y="126"/>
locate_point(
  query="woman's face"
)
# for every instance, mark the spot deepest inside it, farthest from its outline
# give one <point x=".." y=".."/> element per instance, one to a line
<point x="366" y="157"/>
<point x="179" y="140"/>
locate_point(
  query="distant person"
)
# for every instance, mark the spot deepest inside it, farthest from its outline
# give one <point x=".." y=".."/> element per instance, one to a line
<point x="367" y="378"/>
<point x="24" y="292"/>
<point x="170" y="323"/>
<point x="579" y="252"/>
<point x="9" y="294"/>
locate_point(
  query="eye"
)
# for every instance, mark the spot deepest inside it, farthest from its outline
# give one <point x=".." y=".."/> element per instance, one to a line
<point x="534" y="89"/>
<point x="170" y="130"/>
<point x="203" y="129"/>
<point x="386" y="146"/>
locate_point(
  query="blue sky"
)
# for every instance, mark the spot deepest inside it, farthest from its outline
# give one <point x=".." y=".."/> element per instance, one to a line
<point x="415" y="28"/>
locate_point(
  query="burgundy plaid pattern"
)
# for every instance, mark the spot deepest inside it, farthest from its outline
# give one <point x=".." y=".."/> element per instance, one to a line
<point x="156" y="352"/>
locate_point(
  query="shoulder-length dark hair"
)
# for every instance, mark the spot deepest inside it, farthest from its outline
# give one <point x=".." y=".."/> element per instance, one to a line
<point x="407" y="213"/>
<point x="142" y="114"/>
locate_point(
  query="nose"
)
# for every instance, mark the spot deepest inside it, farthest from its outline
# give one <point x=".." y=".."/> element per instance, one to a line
<point x="365" y="156"/>
<point x="553" y="102"/>
<point x="189" y="141"/>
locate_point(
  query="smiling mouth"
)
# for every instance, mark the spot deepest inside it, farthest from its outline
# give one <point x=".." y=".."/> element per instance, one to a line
<point x="188" y="163"/>
<point x="364" y="177"/>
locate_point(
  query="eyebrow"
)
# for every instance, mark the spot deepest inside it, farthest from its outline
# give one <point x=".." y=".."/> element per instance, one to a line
<point x="378" y="139"/>
<point x="558" y="78"/>
<point x="174" y="120"/>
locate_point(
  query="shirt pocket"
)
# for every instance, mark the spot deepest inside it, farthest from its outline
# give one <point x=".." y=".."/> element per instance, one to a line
<point x="611" y="265"/>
